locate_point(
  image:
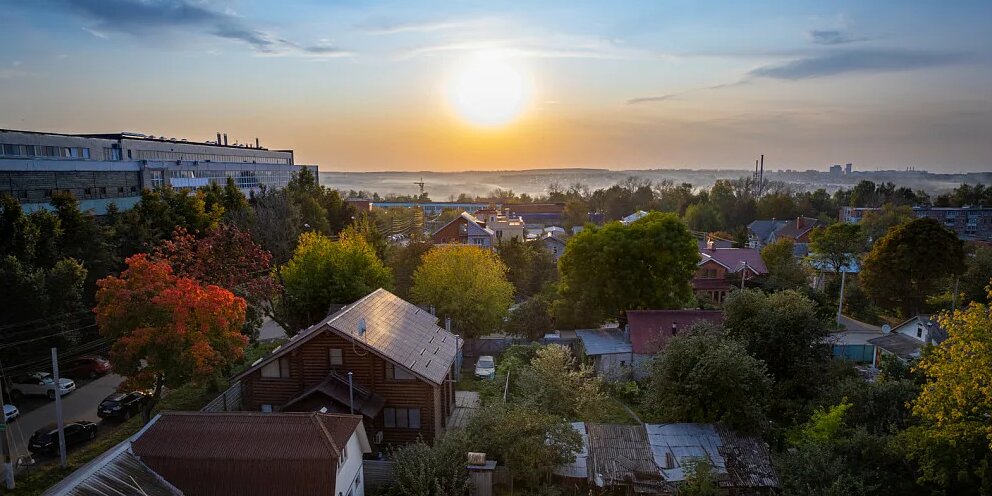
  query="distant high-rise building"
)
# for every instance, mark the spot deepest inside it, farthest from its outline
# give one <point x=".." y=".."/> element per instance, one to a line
<point x="836" y="169"/>
<point x="104" y="169"/>
<point x="848" y="169"/>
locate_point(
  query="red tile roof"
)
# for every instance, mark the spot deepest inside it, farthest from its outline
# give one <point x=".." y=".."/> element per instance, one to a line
<point x="650" y="330"/>
<point x="247" y="453"/>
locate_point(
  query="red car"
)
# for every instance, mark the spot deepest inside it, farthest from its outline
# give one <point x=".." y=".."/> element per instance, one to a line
<point x="85" y="366"/>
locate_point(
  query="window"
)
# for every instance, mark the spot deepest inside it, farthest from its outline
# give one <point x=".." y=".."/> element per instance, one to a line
<point x="336" y="357"/>
<point x="278" y="368"/>
<point x="919" y="332"/>
<point x="397" y="374"/>
<point x="401" y="418"/>
<point x="266" y="408"/>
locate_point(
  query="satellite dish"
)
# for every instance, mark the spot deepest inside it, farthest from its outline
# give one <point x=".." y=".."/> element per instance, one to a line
<point x="323" y="409"/>
<point x="886" y="329"/>
<point x="361" y="327"/>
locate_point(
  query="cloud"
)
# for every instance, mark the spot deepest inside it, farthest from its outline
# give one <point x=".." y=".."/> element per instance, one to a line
<point x="860" y="61"/>
<point x="327" y="51"/>
<point x="544" y="46"/>
<point x="649" y="99"/>
<point x="385" y="26"/>
<point x="139" y="17"/>
<point x="673" y="96"/>
<point x="832" y="37"/>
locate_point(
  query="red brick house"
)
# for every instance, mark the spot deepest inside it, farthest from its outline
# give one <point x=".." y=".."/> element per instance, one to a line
<point x="465" y="229"/>
<point x="401" y="365"/>
<point x="721" y="269"/>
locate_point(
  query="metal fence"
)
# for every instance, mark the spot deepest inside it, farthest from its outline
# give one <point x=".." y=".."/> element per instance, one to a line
<point x="228" y="401"/>
<point x="378" y="473"/>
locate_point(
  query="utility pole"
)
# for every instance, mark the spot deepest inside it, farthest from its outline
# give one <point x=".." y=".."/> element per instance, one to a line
<point x="954" y="299"/>
<point x="840" y="304"/>
<point x="743" y="274"/>
<point x="351" y="393"/>
<point x="8" y="466"/>
<point x="58" y="405"/>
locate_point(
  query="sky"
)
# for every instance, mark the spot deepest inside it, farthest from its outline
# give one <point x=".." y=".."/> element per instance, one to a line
<point x="366" y="86"/>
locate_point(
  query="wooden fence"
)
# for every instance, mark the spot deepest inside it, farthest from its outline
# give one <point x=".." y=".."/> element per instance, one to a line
<point x="228" y="401"/>
<point x="378" y="473"/>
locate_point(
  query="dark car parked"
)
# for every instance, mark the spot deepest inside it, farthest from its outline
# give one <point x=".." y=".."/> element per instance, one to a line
<point x="122" y="405"/>
<point x="46" y="439"/>
<point x="85" y="366"/>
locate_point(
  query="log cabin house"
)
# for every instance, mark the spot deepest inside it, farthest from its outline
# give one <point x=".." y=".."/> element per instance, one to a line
<point x="401" y="365"/>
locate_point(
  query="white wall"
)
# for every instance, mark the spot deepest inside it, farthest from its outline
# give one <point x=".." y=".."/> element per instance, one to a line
<point x="352" y="470"/>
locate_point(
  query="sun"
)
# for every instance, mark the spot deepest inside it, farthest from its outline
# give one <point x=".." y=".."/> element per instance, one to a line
<point x="488" y="91"/>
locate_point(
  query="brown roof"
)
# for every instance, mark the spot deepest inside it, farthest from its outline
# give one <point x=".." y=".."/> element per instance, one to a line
<point x="650" y="330"/>
<point x="797" y="227"/>
<point x="247" y="453"/>
<point x="336" y="388"/>
<point x="394" y="329"/>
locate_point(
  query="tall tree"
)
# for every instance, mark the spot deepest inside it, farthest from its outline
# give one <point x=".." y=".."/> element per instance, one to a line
<point x="647" y="264"/>
<point x="229" y="258"/>
<point x="529" y="265"/>
<point x="977" y="276"/>
<point x="322" y="273"/>
<point x="706" y="378"/>
<point x="555" y="382"/>
<point x="466" y="283"/>
<point x="168" y="330"/>
<point x="703" y="217"/>
<point x="784" y="271"/>
<point x="877" y="224"/>
<point x="908" y="263"/>
<point x="404" y="261"/>
<point x="837" y="245"/>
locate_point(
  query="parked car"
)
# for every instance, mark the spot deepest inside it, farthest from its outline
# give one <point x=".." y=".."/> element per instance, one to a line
<point x="40" y="384"/>
<point x="485" y="367"/>
<point x="10" y="412"/>
<point x="122" y="405"/>
<point x="86" y="366"/>
<point x="46" y="439"/>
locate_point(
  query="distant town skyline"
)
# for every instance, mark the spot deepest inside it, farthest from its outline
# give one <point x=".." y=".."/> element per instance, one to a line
<point x="471" y="85"/>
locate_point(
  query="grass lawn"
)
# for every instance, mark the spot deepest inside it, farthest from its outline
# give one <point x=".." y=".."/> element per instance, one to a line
<point x="186" y="398"/>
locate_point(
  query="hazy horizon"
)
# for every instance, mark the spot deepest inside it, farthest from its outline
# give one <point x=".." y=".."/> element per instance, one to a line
<point x="435" y="85"/>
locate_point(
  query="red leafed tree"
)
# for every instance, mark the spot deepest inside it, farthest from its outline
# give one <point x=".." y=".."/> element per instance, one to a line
<point x="226" y="257"/>
<point x="168" y="330"/>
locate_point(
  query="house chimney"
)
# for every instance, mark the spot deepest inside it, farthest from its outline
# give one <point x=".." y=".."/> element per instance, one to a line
<point x="256" y="143"/>
<point x="710" y="245"/>
<point x="225" y="139"/>
<point x="218" y="138"/>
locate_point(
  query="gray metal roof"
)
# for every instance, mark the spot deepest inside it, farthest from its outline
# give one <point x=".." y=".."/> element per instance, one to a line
<point x="898" y="344"/>
<point x="118" y="471"/>
<point x="672" y="445"/>
<point x="603" y="341"/>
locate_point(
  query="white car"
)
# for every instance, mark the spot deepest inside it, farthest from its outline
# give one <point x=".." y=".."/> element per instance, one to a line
<point x="40" y="384"/>
<point x="485" y="367"/>
<point x="10" y="412"/>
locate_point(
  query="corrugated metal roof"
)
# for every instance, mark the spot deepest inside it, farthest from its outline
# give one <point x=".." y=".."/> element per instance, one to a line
<point x="898" y="344"/>
<point x="233" y="436"/>
<point x="115" y="472"/>
<point x="672" y="445"/>
<point x="603" y="341"/>
<point x="579" y="469"/>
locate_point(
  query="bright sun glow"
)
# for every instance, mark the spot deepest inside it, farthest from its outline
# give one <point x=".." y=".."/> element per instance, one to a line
<point x="488" y="91"/>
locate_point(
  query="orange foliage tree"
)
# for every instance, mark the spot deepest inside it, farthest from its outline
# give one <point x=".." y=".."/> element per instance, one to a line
<point x="168" y="330"/>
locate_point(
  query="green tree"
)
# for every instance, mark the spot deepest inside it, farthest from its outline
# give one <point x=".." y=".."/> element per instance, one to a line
<point x="786" y="331"/>
<point x="438" y="470"/>
<point x="274" y="221"/>
<point x="703" y="217"/>
<point x="977" y="275"/>
<point x="707" y="378"/>
<point x="908" y="263"/>
<point x="365" y="227"/>
<point x="529" y="266"/>
<point x="877" y="224"/>
<point x="699" y="478"/>
<point x="531" y="319"/>
<point x="404" y="261"/>
<point x="576" y="213"/>
<point x="529" y="442"/>
<point x="777" y="206"/>
<point x="647" y="264"/>
<point x="466" y="283"/>
<point x="555" y="383"/>
<point x="784" y="271"/>
<point x="837" y="245"/>
<point x="324" y="272"/>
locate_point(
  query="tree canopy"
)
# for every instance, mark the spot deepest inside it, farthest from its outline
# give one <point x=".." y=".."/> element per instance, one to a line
<point x="647" y="264"/>
<point x="322" y="273"/>
<point x="908" y="264"/>
<point x="784" y="271"/>
<point x="466" y="283"/>
<point x="168" y="330"/>
<point x="837" y="245"/>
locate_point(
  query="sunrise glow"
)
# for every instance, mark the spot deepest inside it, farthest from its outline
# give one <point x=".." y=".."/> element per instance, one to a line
<point x="488" y="91"/>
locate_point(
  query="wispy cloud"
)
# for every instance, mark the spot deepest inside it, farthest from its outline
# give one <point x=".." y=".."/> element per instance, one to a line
<point x="832" y="37"/>
<point x="139" y="17"/>
<point x="387" y="26"/>
<point x="547" y="46"/>
<point x="676" y="95"/>
<point x="857" y="61"/>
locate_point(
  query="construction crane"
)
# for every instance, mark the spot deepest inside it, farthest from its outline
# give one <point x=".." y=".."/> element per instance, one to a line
<point x="421" y="184"/>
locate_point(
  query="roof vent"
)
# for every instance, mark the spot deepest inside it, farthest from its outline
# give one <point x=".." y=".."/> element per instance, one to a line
<point x="361" y="327"/>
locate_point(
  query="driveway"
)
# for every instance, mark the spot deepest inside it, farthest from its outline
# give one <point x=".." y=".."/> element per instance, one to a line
<point x="78" y="405"/>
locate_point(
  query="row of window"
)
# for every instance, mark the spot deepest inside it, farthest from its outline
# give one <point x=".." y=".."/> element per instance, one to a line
<point x="335" y="357"/>
<point x="208" y="157"/>
<point x="242" y="179"/>
<point x="101" y="191"/>
<point x="11" y="150"/>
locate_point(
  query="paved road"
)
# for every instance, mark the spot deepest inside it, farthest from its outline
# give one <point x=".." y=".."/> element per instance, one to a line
<point x="78" y="405"/>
